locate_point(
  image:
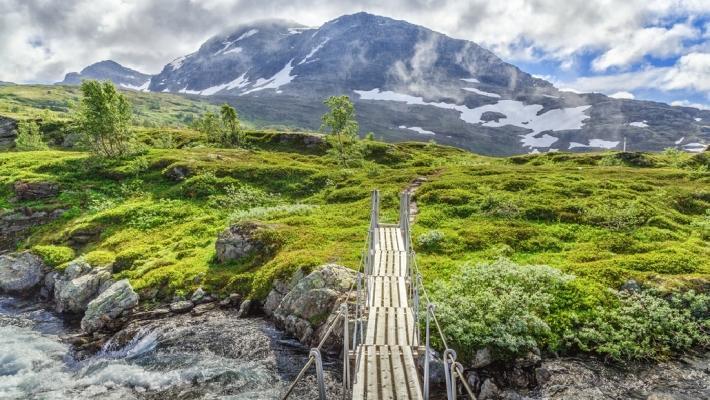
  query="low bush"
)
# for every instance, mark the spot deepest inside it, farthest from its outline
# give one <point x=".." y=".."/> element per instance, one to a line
<point x="54" y="255"/>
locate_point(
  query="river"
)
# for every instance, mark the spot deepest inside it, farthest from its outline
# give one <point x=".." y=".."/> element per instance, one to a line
<point x="213" y="356"/>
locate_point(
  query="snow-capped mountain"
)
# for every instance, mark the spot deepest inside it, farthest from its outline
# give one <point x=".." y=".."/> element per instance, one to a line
<point x="409" y="82"/>
<point x="110" y="70"/>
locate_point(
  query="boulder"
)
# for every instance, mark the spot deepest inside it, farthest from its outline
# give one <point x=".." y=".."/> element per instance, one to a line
<point x="247" y="239"/>
<point x="79" y="285"/>
<point x="35" y="190"/>
<point x="182" y="306"/>
<point x="20" y="272"/>
<point x="116" y="299"/>
<point x="198" y="296"/>
<point x="483" y="358"/>
<point x="308" y="307"/>
<point x="489" y="391"/>
<point x="280" y="288"/>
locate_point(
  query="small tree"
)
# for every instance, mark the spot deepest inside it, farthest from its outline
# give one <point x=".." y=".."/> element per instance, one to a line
<point x="209" y="126"/>
<point x="103" y="118"/>
<point x="340" y="123"/>
<point x="28" y="137"/>
<point x="230" y="120"/>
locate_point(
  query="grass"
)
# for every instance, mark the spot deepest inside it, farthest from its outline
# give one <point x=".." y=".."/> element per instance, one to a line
<point x="583" y="224"/>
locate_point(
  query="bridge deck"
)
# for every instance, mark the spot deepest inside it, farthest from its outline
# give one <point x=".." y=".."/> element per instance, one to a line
<point x="386" y="368"/>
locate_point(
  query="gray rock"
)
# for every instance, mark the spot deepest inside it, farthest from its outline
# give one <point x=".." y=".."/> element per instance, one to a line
<point x="203" y="308"/>
<point x="183" y="306"/>
<point x="198" y="295"/>
<point x="249" y="308"/>
<point x="310" y="304"/>
<point x="483" y="358"/>
<point x="542" y="375"/>
<point x="280" y="288"/>
<point x="35" y="190"/>
<point x="16" y="225"/>
<point x="20" y="272"/>
<point x="8" y="132"/>
<point x="631" y="286"/>
<point x="78" y="286"/>
<point x="116" y="299"/>
<point x="246" y="239"/>
<point x="489" y="391"/>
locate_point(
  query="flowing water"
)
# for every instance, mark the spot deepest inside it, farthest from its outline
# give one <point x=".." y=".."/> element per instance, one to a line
<point x="213" y="356"/>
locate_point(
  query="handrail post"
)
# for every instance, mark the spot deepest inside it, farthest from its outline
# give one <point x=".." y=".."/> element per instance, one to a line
<point x="449" y="361"/>
<point x="315" y="353"/>
<point x="427" y="351"/>
<point x="346" y="349"/>
<point x="415" y="296"/>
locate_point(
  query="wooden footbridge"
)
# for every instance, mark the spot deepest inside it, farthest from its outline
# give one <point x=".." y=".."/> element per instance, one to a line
<point x="382" y="341"/>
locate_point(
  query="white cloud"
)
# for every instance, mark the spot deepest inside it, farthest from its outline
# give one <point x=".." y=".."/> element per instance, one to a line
<point x="623" y="95"/>
<point x="654" y="41"/>
<point x="690" y="72"/>
<point x="686" y="103"/>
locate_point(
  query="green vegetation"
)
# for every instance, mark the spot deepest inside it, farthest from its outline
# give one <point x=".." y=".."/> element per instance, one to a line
<point x="340" y="123"/>
<point x="522" y="252"/>
<point x="29" y="137"/>
<point x="103" y="119"/>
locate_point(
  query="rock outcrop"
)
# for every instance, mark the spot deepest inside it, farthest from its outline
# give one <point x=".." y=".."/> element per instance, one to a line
<point x="35" y="190"/>
<point x="16" y="225"/>
<point x="246" y="239"/>
<point x="116" y="299"/>
<point x="78" y="286"/>
<point x="20" y="272"/>
<point x="309" y="306"/>
<point x="8" y="132"/>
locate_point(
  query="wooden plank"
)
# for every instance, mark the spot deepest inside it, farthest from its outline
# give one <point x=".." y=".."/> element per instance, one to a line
<point x="372" y="381"/>
<point x="415" y="391"/>
<point x="400" y="240"/>
<point x="359" y="387"/>
<point x="400" y="377"/>
<point x="385" y="361"/>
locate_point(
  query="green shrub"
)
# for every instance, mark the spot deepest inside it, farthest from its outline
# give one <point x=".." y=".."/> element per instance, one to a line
<point x="243" y="197"/>
<point x="430" y="241"/>
<point x="99" y="258"/>
<point x="644" y="326"/>
<point x="54" y="255"/>
<point x="205" y="185"/>
<point x="29" y="137"/>
<point x="500" y="305"/>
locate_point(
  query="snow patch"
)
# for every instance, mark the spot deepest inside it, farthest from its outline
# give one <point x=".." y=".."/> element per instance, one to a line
<point x="517" y="114"/>
<point x="240" y="82"/>
<point x="235" y="50"/>
<point x="698" y="119"/>
<point x="551" y="96"/>
<point x="679" y="141"/>
<point x="314" y="51"/>
<point x="470" y="80"/>
<point x="417" y="129"/>
<point x="481" y="92"/>
<point x="638" y="124"/>
<point x="695" y="147"/>
<point x="279" y="79"/>
<point x="247" y="34"/>
<point x="141" y="88"/>
<point x="297" y="31"/>
<point x="596" y="143"/>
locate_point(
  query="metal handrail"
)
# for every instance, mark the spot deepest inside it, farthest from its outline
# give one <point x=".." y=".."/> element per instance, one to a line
<point x="315" y="353"/>
<point x="452" y="369"/>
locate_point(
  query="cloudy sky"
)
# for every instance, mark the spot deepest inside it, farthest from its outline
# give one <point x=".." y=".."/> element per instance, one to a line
<point x="647" y="49"/>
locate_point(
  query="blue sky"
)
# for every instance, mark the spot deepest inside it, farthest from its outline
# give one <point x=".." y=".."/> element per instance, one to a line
<point x="646" y="49"/>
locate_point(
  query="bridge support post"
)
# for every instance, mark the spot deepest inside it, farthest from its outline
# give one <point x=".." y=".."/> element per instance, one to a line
<point x="315" y="353"/>
<point x="427" y="350"/>
<point x="346" y="349"/>
<point x="449" y="372"/>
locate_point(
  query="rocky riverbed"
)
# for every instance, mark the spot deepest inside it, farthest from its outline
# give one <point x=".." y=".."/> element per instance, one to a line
<point x="211" y="356"/>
